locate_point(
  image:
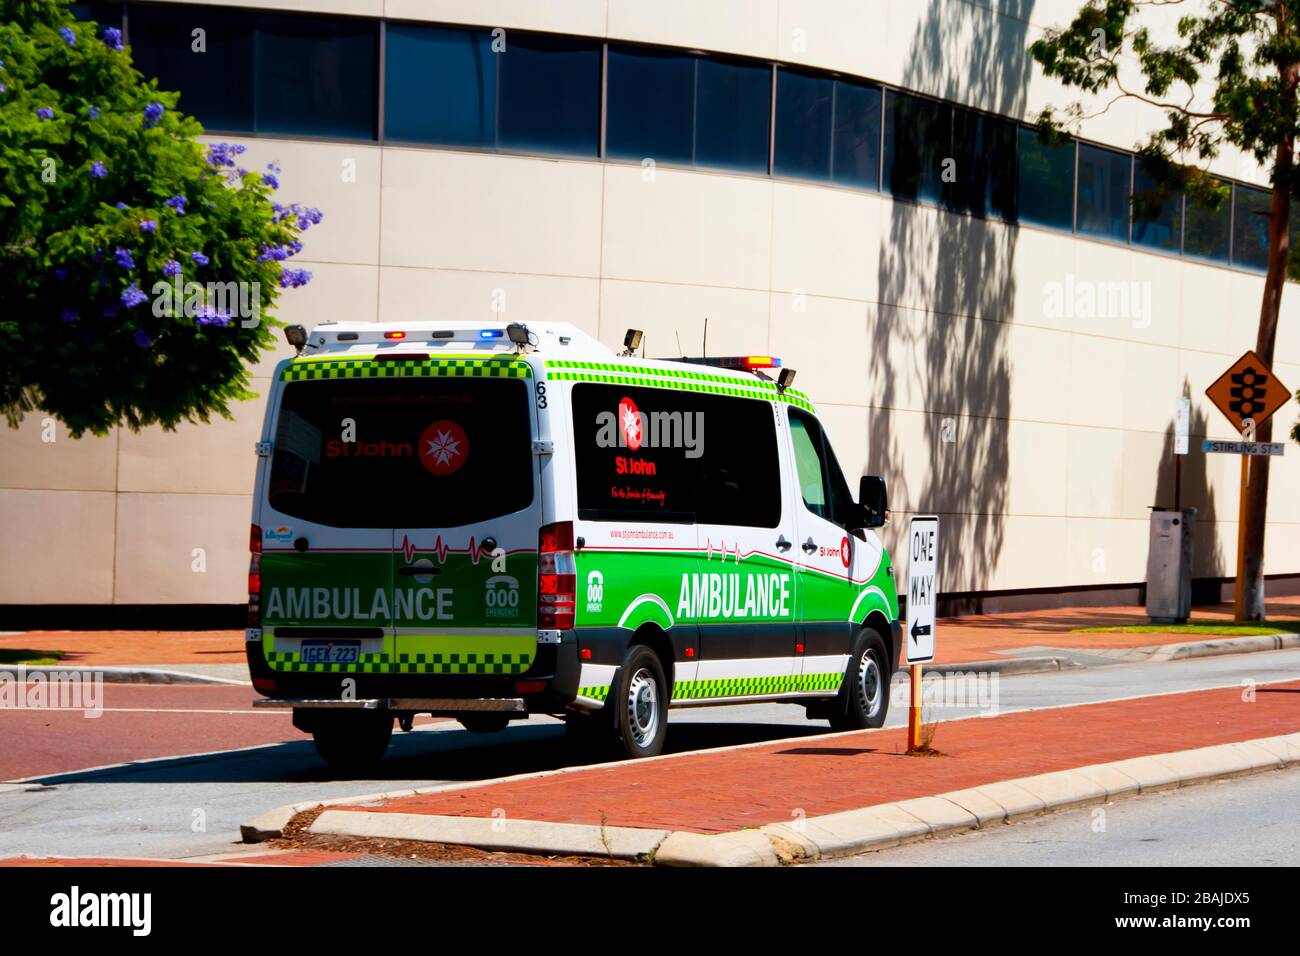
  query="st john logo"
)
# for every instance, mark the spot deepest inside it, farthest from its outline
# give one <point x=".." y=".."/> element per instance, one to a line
<point x="444" y="446"/>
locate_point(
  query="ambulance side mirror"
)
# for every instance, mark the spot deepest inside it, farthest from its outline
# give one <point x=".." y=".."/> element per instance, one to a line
<point x="873" y="500"/>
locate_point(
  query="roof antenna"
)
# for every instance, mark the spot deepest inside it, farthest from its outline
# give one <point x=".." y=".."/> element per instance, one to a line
<point x="680" y="350"/>
<point x="705" y="344"/>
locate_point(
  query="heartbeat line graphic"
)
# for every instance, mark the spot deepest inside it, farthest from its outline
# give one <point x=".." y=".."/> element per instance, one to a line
<point x="722" y="546"/>
<point x="442" y="550"/>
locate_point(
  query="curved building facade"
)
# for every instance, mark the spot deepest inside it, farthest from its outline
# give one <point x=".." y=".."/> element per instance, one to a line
<point x="848" y="184"/>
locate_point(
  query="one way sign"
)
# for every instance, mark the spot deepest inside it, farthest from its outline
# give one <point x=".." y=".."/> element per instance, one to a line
<point x="922" y="586"/>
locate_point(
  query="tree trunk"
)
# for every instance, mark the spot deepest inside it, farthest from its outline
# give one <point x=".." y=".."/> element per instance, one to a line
<point x="1252" y="583"/>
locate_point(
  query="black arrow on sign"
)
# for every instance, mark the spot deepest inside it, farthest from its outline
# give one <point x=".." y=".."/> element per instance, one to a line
<point x="918" y="631"/>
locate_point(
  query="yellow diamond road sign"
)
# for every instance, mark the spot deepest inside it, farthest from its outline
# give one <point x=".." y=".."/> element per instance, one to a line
<point x="1248" y="391"/>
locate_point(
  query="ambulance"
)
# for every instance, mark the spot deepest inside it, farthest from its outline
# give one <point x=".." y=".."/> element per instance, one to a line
<point x="487" y="522"/>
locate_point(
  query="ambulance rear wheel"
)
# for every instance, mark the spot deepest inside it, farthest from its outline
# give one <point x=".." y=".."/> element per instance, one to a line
<point x="352" y="742"/>
<point x="641" y="698"/>
<point x="864" y="696"/>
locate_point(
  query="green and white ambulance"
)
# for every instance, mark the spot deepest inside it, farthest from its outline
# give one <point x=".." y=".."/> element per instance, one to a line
<point x="491" y="521"/>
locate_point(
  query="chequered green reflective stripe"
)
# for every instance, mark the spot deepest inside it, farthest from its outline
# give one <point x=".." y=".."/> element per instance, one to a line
<point x="459" y="663"/>
<point x="755" y="686"/>
<point x="315" y="369"/>
<point x="614" y="374"/>
<point x="739" y="686"/>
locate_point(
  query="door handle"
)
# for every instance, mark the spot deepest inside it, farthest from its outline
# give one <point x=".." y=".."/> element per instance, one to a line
<point x="783" y="545"/>
<point x="809" y="546"/>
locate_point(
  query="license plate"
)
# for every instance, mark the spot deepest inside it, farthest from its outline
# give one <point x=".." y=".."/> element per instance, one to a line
<point x="330" y="652"/>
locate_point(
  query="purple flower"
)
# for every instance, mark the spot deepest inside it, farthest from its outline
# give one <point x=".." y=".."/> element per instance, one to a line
<point x="148" y="225"/>
<point x="209" y="316"/>
<point x="152" y="114"/>
<point x="69" y="315"/>
<point x="60" y="274"/>
<point x="45" y="113"/>
<point x="293" y="278"/>
<point x="177" y="203"/>
<point x="142" y="338"/>
<point x="98" y="170"/>
<point x="111" y="310"/>
<point x="69" y="36"/>
<point x="123" y="258"/>
<point x="92" y="112"/>
<point x="274" y="254"/>
<point x="270" y="180"/>
<point x="113" y="37"/>
<point x="2" y="87"/>
<point x="133" y="296"/>
<point x="223" y="154"/>
<point x="171" y="268"/>
<point x="199" y="259"/>
<point x="120" y="205"/>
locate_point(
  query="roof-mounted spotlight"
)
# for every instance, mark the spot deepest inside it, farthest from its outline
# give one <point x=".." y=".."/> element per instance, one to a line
<point x="785" y="379"/>
<point x="296" y="336"/>
<point x="518" y="334"/>
<point x="632" y="341"/>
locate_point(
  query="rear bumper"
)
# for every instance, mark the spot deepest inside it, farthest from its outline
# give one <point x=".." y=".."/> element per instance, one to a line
<point x="548" y="686"/>
<point x="442" y="706"/>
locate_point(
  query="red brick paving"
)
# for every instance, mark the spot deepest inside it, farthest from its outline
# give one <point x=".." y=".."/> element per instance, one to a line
<point x="115" y="648"/>
<point x="714" y="792"/>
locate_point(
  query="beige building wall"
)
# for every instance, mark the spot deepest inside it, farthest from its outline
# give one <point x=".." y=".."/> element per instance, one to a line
<point x="938" y="348"/>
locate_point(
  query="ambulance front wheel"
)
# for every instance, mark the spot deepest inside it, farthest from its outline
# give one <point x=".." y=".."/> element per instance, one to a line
<point x="641" y="698"/>
<point x="351" y="742"/>
<point x="864" y="696"/>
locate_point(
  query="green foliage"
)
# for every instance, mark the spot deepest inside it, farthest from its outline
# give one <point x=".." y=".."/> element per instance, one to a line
<point x="1242" y="49"/>
<point x="77" y="239"/>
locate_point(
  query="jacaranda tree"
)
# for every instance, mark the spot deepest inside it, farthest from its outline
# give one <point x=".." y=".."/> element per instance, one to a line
<point x="138" y="266"/>
<point x="1228" y="78"/>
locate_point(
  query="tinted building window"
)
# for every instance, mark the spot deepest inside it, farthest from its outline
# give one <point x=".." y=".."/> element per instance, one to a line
<point x="704" y="458"/>
<point x="855" y="157"/>
<point x="315" y="76"/>
<point x="1157" y="222"/>
<point x="733" y="106"/>
<point x="918" y="137"/>
<point x="105" y="14"/>
<point x="216" y="86"/>
<point x="804" y="108"/>
<point x="1205" y="231"/>
<point x="651" y="112"/>
<point x="550" y="95"/>
<point x="441" y="86"/>
<point x="1251" y="218"/>
<point x="1045" y="181"/>
<point x="1104" y="186"/>
<point x="984" y="169"/>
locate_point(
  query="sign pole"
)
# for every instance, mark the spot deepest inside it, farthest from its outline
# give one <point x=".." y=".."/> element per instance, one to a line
<point x="1239" y="597"/>
<point x="914" y="712"/>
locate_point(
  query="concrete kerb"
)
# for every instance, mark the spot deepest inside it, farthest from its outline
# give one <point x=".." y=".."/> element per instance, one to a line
<point x="824" y="837"/>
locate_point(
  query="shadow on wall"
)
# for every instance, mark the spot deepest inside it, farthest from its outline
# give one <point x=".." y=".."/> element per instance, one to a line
<point x="947" y="290"/>
<point x="1207" y="554"/>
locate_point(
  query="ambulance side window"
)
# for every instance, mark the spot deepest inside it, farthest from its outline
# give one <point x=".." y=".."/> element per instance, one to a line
<point x="821" y="482"/>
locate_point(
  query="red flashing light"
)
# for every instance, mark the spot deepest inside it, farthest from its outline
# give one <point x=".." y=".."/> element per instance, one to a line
<point x="585" y="653"/>
<point x="394" y="335"/>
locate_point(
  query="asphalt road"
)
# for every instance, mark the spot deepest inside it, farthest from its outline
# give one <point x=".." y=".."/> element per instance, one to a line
<point x="1225" y="823"/>
<point x="191" y="805"/>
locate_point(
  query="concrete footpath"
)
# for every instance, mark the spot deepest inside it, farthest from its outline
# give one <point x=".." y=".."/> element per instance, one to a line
<point x="842" y="793"/>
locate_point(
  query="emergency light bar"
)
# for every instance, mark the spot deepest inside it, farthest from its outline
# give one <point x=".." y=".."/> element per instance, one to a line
<point x="744" y="363"/>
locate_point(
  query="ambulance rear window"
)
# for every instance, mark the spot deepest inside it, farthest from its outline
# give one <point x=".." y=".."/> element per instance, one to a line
<point x="402" y="452"/>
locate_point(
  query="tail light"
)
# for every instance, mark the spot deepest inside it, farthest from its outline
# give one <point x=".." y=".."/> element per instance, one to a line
<point x="556" y="577"/>
<point x="254" y="576"/>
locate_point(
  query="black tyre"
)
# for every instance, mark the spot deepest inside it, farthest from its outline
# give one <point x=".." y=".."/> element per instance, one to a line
<point x="640" y="703"/>
<point x="864" y="696"/>
<point x="352" y="742"/>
